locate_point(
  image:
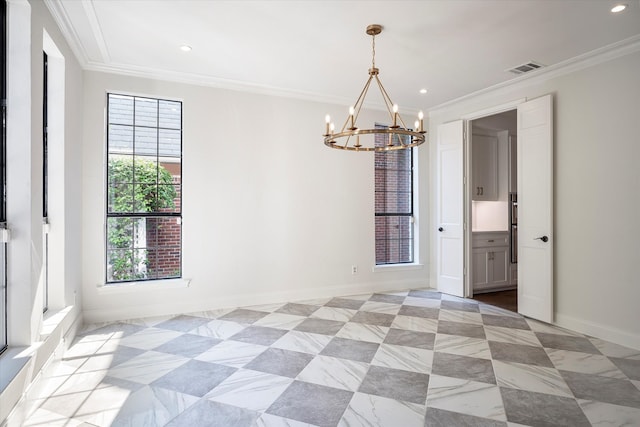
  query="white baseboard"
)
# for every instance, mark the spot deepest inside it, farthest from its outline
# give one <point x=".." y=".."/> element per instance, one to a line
<point x="241" y="300"/>
<point x="597" y="330"/>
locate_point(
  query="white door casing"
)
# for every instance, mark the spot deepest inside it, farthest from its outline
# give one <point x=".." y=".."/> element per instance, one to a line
<point x="450" y="208"/>
<point x="535" y="208"/>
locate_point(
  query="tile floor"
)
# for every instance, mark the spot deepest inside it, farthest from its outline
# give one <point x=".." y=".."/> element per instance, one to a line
<point x="414" y="358"/>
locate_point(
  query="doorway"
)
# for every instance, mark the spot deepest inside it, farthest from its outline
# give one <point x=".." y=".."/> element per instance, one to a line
<point x="492" y="265"/>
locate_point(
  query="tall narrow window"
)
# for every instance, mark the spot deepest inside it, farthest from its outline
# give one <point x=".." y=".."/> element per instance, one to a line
<point x="45" y="182"/>
<point x="144" y="189"/>
<point x="3" y="175"/>
<point x="394" y="205"/>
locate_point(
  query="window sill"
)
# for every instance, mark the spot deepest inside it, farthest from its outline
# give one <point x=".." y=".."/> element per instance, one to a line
<point x="397" y="267"/>
<point x="128" y="287"/>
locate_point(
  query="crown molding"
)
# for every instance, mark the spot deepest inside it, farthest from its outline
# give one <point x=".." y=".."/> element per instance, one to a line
<point x="586" y="60"/>
<point x="61" y="18"/>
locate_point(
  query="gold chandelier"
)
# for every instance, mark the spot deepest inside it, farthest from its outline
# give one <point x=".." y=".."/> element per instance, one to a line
<point x="395" y="137"/>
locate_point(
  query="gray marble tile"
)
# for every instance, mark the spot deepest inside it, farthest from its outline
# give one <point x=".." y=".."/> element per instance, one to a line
<point x="519" y="353"/>
<point x="320" y="326"/>
<point x="259" y="335"/>
<point x="183" y="323"/>
<point x="505" y="321"/>
<point x="123" y="353"/>
<point x="214" y="414"/>
<point x="410" y="338"/>
<point x="277" y="361"/>
<point x="466" y="368"/>
<point x="425" y="294"/>
<point x="298" y="309"/>
<point x="344" y="348"/>
<point x="311" y="403"/>
<point x="392" y="299"/>
<point x="460" y="305"/>
<point x="351" y="304"/>
<point x="630" y="367"/>
<point x="540" y="409"/>
<point x="442" y="418"/>
<point x="602" y="389"/>
<point x="462" y="329"/>
<point x="194" y="377"/>
<point x="564" y="342"/>
<point x="379" y="319"/>
<point x="188" y="345"/>
<point x="396" y="384"/>
<point x="425" y="312"/>
<point x="241" y="315"/>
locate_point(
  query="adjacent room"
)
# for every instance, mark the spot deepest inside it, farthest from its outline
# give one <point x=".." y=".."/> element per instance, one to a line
<point x="319" y="213"/>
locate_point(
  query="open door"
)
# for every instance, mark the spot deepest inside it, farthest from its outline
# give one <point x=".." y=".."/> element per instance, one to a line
<point x="450" y="209"/>
<point x="535" y="209"/>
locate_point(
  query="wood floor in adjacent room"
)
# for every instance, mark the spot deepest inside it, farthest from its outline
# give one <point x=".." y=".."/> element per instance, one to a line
<point x="503" y="299"/>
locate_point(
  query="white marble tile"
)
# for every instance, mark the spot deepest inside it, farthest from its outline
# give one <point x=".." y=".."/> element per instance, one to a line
<point x="213" y="314"/>
<point x="447" y="297"/>
<point x="605" y="414"/>
<point x="152" y="406"/>
<point x="269" y="308"/>
<point x="460" y="316"/>
<point x="232" y="353"/>
<point x="380" y="307"/>
<point x="531" y="378"/>
<point x="250" y="390"/>
<point x="422" y="302"/>
<point x="491" y="309"/>
<point x="334" y="372"/>
<point x="334" y="313"/>
<point x="405" y="358"/>
<point x="268" y="420"/>
<point x="221" y="329"/>
<point x="583" y="362"/>
<point x="45" y="418"/>
<point x="511" y="336"/>
<point x="315" y="301"/>
<point x="305" y="342"/>
<point x="147" y="367"/>
<point x="102" y="405"/>
<point x="467" y="397"/>
<point x="418" y="324"/>
<point x="147" y="321"/>
<point x="636" y="383"/>
<point x="363" y="332"/>
<point x="538" y="326"/>
<point x="359" y="297"/>
<point x="462" y="346"/>
<point x="280" y="321"/>
<point x="615" y="350"/>
<point x="366" y="410"/>
<point x="149" y="338"/>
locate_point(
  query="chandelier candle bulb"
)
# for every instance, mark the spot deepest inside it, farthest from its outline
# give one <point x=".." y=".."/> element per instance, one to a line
<point x="416" y="125"/>
<point x="421" y="118"/>
<point x="328" y="120"/>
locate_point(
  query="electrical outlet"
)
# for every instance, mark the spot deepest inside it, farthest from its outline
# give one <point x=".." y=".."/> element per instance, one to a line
<point x="354" y="269"/>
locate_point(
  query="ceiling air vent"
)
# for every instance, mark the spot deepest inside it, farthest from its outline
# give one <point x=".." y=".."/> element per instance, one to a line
<point x="526" y="67"/>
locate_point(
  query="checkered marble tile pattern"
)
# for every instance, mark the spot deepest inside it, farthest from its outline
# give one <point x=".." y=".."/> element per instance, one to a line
<point x="414" y="358"/>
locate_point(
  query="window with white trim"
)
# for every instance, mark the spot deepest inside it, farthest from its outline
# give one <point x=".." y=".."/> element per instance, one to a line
<point x="394" y="230"/>
<point x="144" y="189"/>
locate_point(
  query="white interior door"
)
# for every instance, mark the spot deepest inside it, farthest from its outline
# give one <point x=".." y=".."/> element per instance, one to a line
<point x="450" y="208"/>
<point x="535" y="209"/>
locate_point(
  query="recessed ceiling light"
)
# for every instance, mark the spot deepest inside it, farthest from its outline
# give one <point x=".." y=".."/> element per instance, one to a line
<point x="618" y="8"/>
<point x="185" y="48"/>
<point x="423" y="91"/>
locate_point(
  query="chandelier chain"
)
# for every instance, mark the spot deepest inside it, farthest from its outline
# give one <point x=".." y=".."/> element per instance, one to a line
<point x="373" y="51"/>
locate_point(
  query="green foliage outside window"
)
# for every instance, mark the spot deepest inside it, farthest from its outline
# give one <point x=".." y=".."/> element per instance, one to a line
<point x="140" y="186"/>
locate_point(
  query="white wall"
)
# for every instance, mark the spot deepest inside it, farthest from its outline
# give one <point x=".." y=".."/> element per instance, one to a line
<point x="597" y="191"/>
<point x="269" y="213"/>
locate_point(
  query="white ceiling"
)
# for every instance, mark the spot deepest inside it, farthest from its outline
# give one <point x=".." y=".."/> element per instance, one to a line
<point x="319" y="49"/>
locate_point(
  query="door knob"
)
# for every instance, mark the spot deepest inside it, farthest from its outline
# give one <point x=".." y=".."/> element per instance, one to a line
<point x="543" y="238"/>
<point x="440" y="229"/>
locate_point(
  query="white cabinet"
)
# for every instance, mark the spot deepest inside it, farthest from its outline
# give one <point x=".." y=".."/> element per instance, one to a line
<point x="484" y="167"/>
<point x="490" y="260"/>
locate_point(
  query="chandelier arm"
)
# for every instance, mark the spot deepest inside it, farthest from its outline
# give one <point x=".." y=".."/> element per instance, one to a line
<point x="358" y="104"/>
<point x="387" y="99"/>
